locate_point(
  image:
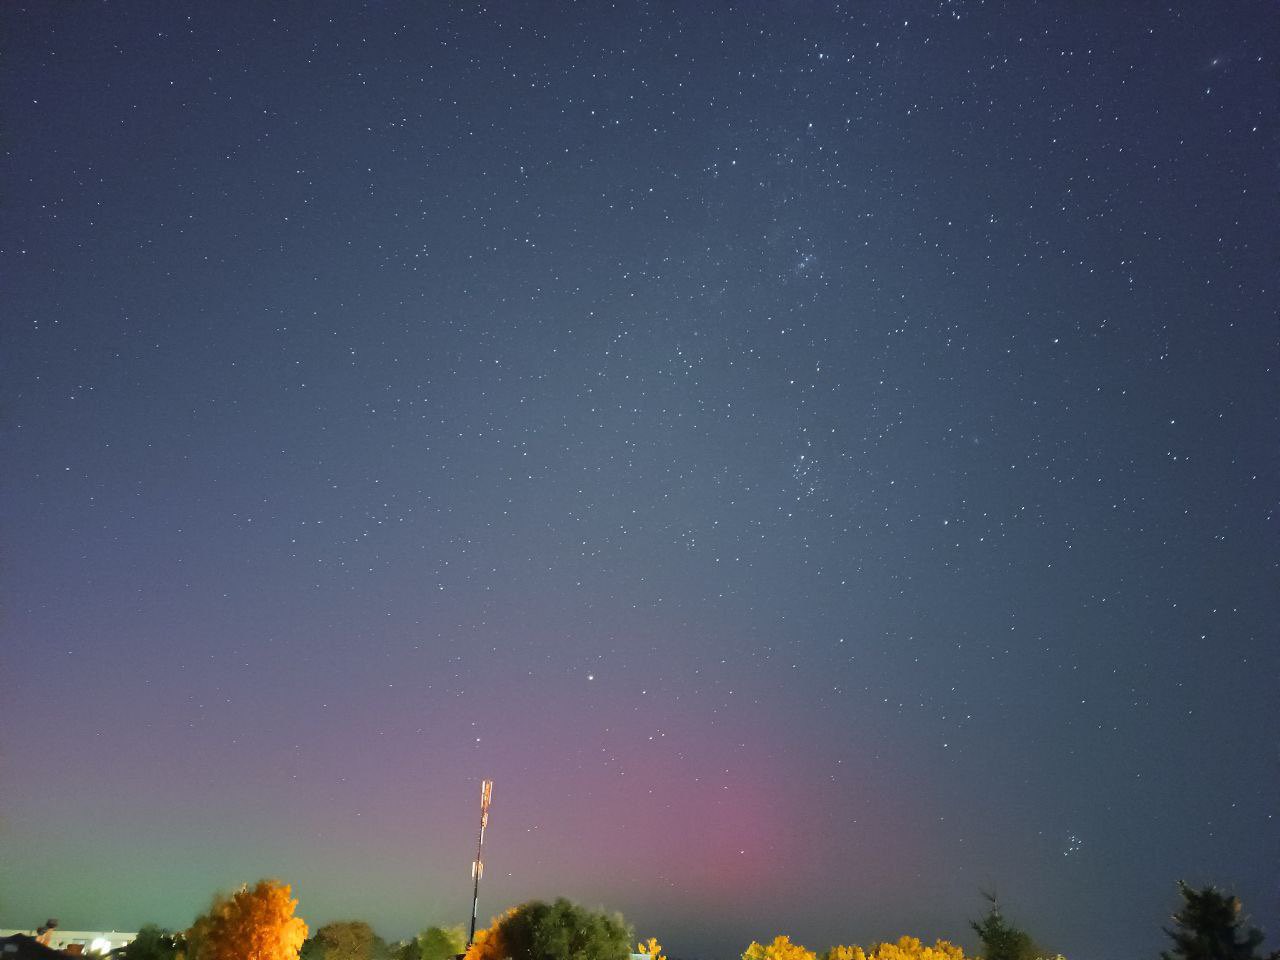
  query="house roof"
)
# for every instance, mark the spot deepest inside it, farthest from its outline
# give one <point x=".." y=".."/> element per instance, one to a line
<point x="21" y="947"/>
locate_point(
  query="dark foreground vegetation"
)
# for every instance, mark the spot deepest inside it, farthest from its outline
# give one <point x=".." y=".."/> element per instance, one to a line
<point x="259" y="923"/>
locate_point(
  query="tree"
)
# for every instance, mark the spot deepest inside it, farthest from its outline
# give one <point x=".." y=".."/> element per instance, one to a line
<point x="251" y="924"/>
<point x="904" y="948"/>
<point x="152" y="943"/>
<point x="780" y="949"/>
<point x="1001" y="940"/>
<point x="910" y="948"/>
<point x="345" y="940"/>
<point x="441" y="943"/>
<point x="1208" y="927"/>
<point x="557" y="931"/>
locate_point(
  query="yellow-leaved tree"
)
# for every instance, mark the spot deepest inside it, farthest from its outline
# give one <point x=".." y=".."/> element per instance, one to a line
<point x="781" y="949"/>
<point x="254" y="923"/>
<point x="651" y="948"/>
<point x="906" y="948"/>
<point x="910" y="948"/>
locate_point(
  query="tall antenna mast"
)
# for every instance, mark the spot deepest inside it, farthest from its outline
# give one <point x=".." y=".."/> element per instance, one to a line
<point x="477" y="865"/>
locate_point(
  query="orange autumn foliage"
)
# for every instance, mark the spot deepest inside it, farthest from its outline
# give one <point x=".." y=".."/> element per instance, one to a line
<point x="489" y="943"/>
<point x="252" y="924"/>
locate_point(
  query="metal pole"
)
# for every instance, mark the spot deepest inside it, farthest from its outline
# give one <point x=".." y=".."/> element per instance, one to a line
<point x="477" y="865"/>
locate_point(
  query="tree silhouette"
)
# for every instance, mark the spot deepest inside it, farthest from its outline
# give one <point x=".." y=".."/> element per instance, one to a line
<point x="1208" y="927"/>
<point x="345" y="940"/>
<point x="557" y="931"/>
<point x="1001" y="940"/>
<point x="152" y="943"/>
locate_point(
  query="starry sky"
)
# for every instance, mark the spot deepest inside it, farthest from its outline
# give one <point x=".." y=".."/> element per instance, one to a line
<point x="818" y="459"/>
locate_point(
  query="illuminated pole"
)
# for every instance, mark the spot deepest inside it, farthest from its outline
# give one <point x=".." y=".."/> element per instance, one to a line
<point x="477" y="865"/>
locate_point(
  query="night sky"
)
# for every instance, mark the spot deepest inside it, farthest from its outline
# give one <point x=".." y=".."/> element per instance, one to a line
<point x="819" y="459"/>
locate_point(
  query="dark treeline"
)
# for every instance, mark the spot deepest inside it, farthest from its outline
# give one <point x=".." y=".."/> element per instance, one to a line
<point x="259" y="924"/>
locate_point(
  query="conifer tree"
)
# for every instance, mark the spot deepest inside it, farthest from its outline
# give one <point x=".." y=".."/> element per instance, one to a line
<point x="1001" y="940"/>
<point x="1208" y="927"/>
